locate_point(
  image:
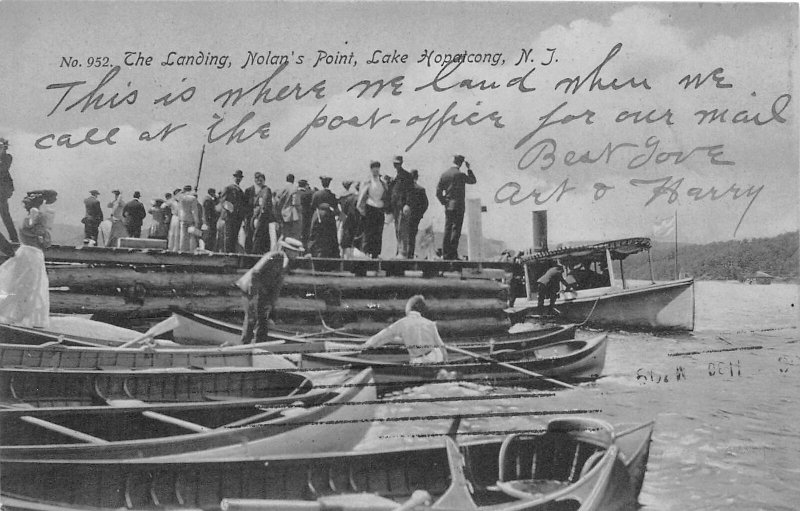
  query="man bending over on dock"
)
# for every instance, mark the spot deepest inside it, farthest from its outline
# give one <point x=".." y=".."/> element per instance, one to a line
<point x="419" y="334"/>
<point x="262" y="286"/>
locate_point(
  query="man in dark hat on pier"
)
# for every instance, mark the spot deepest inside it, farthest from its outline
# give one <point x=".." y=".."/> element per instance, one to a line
<point x="451" y="192"/>
<point x="6" y="190"/>
<point x="251" y="195"/>
<point x="210" y="218"/>
<point x="133" y="215"/>
<point x="233" y="212"/>
<point x="305" y="195"/>
<point x="401" y="189"/>
<point x="92" y="218"/>
<point x="418" y="202"/>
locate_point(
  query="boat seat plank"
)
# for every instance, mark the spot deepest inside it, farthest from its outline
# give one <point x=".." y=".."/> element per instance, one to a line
<point x="191" y="426"/>
<point x="77" y="435"/>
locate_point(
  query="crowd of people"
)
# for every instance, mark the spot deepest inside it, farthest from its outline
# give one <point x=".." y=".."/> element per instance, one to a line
<point x="253" y="219"/>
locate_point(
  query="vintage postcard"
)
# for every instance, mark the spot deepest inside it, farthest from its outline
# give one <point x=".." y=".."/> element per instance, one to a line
<point x="579" y="220"/>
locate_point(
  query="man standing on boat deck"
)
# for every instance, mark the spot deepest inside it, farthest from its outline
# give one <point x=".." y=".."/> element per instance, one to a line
<point x="262" y="285"/>
<point x="232" y="212"/>
<point x="92" y="218"/>
<point x="547" y="286"/>
<point x="451" y="192"/>
<point x="419" y="334"/>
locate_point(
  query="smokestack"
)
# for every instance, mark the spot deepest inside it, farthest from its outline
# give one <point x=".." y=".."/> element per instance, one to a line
<point x="539" y="230"/>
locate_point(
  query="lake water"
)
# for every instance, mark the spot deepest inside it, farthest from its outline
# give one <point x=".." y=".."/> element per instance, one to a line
<point x="727" y="433"/>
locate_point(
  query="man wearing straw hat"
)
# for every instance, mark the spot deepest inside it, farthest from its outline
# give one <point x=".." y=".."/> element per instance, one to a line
<point x="6" y="189"/>
<point x="261" y="286"/>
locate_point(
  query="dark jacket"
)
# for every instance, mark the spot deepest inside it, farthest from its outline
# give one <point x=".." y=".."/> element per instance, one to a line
<point x="210" y="213"/>
<point x="418" y="201"/>
<point x="6" y="183"/>
<point x="134" y="213"/>
<point x="235" y="195"/>
<point x="451" y="188"/>
<point x="325" y="196"/>
<point x="402" y="187"/>
<point x="94" y="213"/>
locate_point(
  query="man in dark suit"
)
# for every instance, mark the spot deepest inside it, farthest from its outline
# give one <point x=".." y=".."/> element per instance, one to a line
<point x="133" y="215"/>
<point x="92" y="218"/>
<point x="402" y="185"/>
<point x="418" y="204"/>
<point x="233" y="212"/>
<point x="451" y="192"/>
<point x="306" y="211"/>
<point x="6" y="190"/>
<point x="210" y="218"/>
<point x="250" y="198"/>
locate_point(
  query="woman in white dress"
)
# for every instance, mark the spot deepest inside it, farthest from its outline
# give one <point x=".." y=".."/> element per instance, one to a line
<point x="24" y="294"/>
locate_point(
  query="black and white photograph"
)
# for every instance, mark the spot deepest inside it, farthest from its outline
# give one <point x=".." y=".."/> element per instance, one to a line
<point x="399" y="256"/>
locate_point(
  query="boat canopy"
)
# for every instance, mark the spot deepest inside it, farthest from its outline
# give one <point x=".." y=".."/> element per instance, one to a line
<point x="619" y="249"/>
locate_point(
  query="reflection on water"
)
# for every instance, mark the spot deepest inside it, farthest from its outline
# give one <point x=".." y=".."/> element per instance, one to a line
<point x="727" y="422"/>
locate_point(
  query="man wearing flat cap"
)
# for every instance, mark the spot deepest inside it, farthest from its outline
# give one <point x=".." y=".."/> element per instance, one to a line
<point x="232" y="212"/>
<point x="401" y="189"/>
<point x="451" y="192"/>
<point x="6" y="190"/>
<point x="92" y="218"/>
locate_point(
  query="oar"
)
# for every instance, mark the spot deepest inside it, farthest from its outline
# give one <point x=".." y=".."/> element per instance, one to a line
<point x="507" y="365"/>
<point x="157" y="329"/>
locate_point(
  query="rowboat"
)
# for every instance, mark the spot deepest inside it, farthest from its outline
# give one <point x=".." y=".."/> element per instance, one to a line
<point x="86" y="332"/>
<point x="198" y="329"/>
<point x="33" y="347"/>
<point x="573" y="361"/>
<point x="331" y="418"/>
<point x="575" y="464"/>
<point x="76" y="387"/>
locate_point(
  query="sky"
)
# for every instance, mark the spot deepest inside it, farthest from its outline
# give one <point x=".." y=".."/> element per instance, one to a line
<point x="724" y="180"/>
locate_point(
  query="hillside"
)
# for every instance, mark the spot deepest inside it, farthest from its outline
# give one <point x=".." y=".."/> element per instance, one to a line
<point x="726" y="260"/>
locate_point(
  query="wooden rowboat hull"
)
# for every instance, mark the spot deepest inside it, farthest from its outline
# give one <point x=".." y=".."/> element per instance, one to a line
<point x="75" y="387"/>
<point x="580" y="463"/>
<point x="573" y="361"/>
<point x="199" y="329"/>
<point x="335" y="420"/>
